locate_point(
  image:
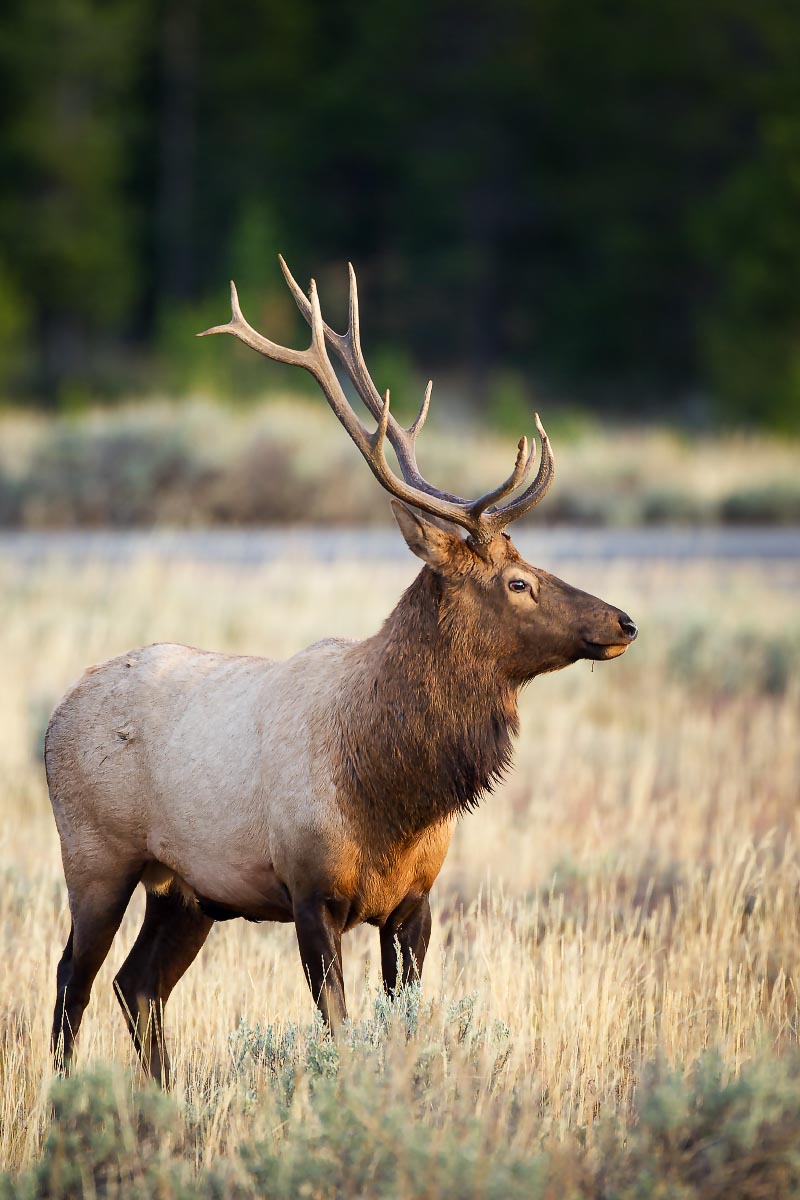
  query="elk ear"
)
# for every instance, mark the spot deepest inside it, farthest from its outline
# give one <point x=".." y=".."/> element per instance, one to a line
<point x="435" y="546"/>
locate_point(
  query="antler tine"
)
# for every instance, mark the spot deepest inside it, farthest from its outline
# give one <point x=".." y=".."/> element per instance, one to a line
<point x="317" y="323"/>
<point x="521" y="468"/>
<point x="242" y="330"/>
<point x="347" y="346"/>
<point x="353" y="318"/>
<point x="303" y="303"/>
<point x="535" y="492"/>
<point x="380" y="433"/>
<point x="422" y="415"/>
<point x="326" y="377"/>
<point x="351" y="341"/>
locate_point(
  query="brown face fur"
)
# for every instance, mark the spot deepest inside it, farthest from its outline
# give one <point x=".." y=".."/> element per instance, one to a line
<point x="525" y="620"/>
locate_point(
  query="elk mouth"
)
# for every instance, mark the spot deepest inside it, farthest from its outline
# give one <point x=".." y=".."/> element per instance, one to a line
<point x="602" y="651"/>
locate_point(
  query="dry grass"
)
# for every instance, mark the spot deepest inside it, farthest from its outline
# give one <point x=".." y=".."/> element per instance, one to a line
<point x="631" y="892"/>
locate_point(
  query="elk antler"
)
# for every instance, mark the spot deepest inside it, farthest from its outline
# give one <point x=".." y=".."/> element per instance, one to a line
<point x="480" y="517"/>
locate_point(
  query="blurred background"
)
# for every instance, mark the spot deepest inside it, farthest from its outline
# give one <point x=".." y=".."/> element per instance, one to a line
<point x="589" y="209"/>
<point x="586" y="209"/>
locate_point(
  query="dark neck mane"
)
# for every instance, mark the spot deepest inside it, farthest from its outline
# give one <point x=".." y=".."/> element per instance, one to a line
<point x="425" y="721"/>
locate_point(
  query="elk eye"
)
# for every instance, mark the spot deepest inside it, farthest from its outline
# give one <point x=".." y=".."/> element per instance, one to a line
<point x="518" y="585"/>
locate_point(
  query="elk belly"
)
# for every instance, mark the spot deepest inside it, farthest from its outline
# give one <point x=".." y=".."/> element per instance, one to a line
<point x="248" y="889"/>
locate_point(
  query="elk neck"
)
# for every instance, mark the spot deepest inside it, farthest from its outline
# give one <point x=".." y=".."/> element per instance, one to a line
<point x="425" y="718"/>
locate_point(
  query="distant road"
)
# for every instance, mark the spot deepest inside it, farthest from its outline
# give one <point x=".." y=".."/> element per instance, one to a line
<point x="254" y="547"/>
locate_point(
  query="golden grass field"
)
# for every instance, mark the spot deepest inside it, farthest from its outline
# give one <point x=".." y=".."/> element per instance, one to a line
<point x="630" y="893"/>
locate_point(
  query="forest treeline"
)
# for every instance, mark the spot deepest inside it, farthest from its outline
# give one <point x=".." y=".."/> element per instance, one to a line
<point x="606" y="195"/>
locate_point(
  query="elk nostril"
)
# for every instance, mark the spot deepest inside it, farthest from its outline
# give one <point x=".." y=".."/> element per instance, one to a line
<point x="628" y="627"/>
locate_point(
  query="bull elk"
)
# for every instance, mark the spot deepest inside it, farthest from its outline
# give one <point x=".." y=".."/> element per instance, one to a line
<point x="323" y="789"/>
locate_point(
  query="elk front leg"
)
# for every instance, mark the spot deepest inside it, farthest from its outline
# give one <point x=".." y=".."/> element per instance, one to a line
<point x="319" y="922"/>
<point x="404" y="942"/>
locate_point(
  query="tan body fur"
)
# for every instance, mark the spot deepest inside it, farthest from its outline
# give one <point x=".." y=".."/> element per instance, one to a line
<point x="215" y="771"/>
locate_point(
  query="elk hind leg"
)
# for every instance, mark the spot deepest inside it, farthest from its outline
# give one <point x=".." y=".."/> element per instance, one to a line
<point x="170" y="939"/>
<point x="97" y="912"/>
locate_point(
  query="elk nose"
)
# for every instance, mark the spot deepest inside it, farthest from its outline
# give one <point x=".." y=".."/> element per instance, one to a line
<point x="628" y="626"/>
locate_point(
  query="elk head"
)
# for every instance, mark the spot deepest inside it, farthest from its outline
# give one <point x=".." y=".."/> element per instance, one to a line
<point x="520" y="617"/>
<point x="529" y="621"/>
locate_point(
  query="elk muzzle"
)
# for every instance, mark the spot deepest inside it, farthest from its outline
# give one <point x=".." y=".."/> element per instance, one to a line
<point x="622" y="632"/>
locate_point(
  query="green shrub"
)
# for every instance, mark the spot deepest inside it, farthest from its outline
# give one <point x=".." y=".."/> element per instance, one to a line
<point x="107" y="477"/>
<point x="708" y="1137"/>
<point x="198" y="463"/>
<point x="367" y="1143"/>
<point x="773" y="504"/>
<point x="106" y="1140"/>
<point x="358" y="1125"/>
<point x="261" y="485"/>
<point x="10" y="500"/>
<point x="669" y="505"/>
<point x="733" y="661"/>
